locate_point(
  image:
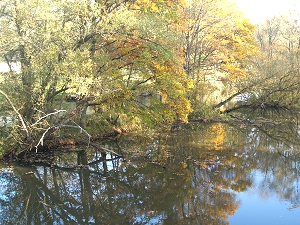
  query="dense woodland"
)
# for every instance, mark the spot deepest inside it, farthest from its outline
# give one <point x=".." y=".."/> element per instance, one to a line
<point x="138" y="65"/>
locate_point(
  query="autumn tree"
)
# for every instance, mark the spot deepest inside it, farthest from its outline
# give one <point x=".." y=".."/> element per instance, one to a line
<point x="217" y="43"/>
<point x="111" y="53"/>
<point x="279" y="42"/>
<point x="274" y="79"/>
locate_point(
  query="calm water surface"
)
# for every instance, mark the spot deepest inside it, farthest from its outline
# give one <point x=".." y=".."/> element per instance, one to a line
<point x="205" y="174"/>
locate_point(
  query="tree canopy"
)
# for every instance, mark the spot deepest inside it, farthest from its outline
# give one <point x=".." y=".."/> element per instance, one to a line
<point x="272" y="81"/>
<point x="151" y="62"/>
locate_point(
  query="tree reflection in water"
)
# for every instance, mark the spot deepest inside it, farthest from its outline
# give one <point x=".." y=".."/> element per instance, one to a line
<point x="128" y="193"/>
<point x="186" y="178"/>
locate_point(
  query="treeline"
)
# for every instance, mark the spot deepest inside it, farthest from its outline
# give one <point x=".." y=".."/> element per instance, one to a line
<point x="138" y="63"/>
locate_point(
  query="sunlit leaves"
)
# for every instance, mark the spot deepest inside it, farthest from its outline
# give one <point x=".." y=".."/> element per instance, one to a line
<point x="276" y="71"/>
<point x="78" y="68"/>
<point x="122" y="51"/>
<point x="217" y="43"/>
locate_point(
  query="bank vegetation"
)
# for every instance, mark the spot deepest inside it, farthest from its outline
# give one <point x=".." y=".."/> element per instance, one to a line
<point x="94" y="69"/>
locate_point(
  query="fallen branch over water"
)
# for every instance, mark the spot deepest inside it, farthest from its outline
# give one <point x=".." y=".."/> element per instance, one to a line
<point x="258" y="105"/>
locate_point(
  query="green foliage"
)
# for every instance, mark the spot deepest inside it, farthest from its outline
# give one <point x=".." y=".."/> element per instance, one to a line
<point x="127" y="58"/>
<point x="2" y="150"/>
<point x="109" y="54"/>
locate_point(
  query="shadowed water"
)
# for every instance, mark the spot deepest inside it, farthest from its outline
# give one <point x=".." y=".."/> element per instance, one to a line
<point x="205" y="174"/>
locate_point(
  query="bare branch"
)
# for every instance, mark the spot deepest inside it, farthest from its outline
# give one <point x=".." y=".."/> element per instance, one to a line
<point x="53" y="128"/>
<point x="81" y="130"/>
<point x="43" y="117"/>
<point x="41" y="141"/>
<point x="16" y="111"/>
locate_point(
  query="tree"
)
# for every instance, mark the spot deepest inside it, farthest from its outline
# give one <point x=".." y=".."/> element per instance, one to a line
<point x="279" y="42"/>
<point x="111" y="52"/>
<point x="218" y="42"/>
<point x="274" y="81"/>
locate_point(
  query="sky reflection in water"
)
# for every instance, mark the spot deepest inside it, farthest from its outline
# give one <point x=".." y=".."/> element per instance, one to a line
<point x="206" y="174"/>
<point x="264" y="208"/>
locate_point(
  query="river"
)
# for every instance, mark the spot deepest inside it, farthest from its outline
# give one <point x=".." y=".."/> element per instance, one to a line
<point x="208" y="174"/>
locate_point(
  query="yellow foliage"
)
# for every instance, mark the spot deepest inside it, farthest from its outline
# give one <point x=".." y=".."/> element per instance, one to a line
<point x="225" y="36"/>
<point x="217" y="137"/>
<point x="151" y="5"/>
<point x="183" y="3"/>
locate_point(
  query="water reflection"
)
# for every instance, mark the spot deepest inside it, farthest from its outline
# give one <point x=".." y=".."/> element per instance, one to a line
<point x="186" y="177"/>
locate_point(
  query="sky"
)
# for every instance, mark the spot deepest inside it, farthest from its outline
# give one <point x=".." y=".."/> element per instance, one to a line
<point x="258" y="10"/>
